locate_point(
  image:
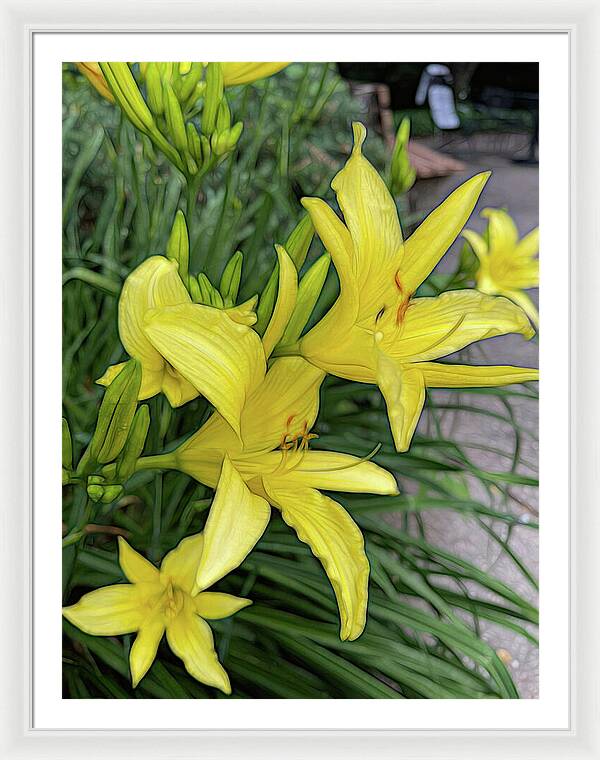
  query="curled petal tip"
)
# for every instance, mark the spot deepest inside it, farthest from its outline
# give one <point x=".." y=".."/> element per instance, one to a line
<point x="360" y="133"/>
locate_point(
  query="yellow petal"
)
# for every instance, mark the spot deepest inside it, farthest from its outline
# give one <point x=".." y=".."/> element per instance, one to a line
<point x="285" y="402"/>
<point x="152" y="380"/>
<point x="336" y="540"/>
<point x="237" y="519"/>
<point x="181" y="563"/>
<point x="529" y="245"/>
<point x="144" y="648"/>
<point x="525" y="302"/>
<point x="435" y="327"/>
<point x="136" y="568"/>
<point x="153" y="284"/>
<point x="286" y="301"/>
<point x="477" y="243"/>
<point x="502" y="231"/>
<point x="109" y="611"/>
<point x="432" y="238"/>
<point x="403" y="389"/>
<point x="439" y="375"/>
<point x="338" y="243"/>
<point x="214" y="606"/>
<point x="335" y="472"/>
<point x="222" y="359"/>
<point x="349" y="354"/>
<point x="176" y="388"/>
<point x="191" y="639"/>
<point x="370" y="215"/>
<point x="235" y="72"/>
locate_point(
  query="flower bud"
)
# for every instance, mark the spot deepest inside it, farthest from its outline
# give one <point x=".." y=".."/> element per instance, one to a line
<point x="67" y="446"/>
<point x="230" y="279"/>
<point x="193" y="140"/>
<point x="402" y="173"/>
<point x="111" y="493"/>
<point x="194" y="289"/>
<point x="154" y="89"/>
<point x="127" y="94"/>
<point x="212" y="97"/>
<point x="134" y="445"/>
<point x="116" y="413"/>
<point x="309" y="290"/>
<point x="174" y="118"/>
<point x="223" y="116"/>
<point x="95" y="492"/>
<point x="190" y="81"/>
<point x="297" y="246"/>
<point x="178" y="247"/>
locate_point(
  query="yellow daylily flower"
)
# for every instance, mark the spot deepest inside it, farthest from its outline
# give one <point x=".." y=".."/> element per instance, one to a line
<point x="244" y="73"/>
<point x="187" y="349"/>
<point x="93" y="73"/>
<point x="377" y="331"/>
<point x="275" y="464"/>
<point x="155" y="602"/>
<point x="507" y="266"/>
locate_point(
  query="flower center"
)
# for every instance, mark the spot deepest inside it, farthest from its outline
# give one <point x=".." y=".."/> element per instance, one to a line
<point x="298" y="441"/>
<point x="171" y="601"/>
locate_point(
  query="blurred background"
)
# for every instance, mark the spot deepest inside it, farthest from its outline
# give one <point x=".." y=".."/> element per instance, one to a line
<point x="119" y="203"/>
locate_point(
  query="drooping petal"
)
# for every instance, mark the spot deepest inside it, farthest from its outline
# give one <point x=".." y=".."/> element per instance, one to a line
<point x="370" y="215"/>
<point x="285" y="303"/>
<point x="143" y="650"/>
<point x="153" y="284"/>
<point x="235" y="72"/>
<point x="529" y="245"/>
<point x="477" y="243"/>
<point x="214" y="606"/>
<point x="221" y="358"/>
<point x="109" y="611"/>
<point x="438" y="326"/>
<point x="432" y="238"/>
<point x="524" y="301"/>
<point x="502" y="231"/>
<point x="403" y="389"/>
<point x="180" y="564"/>
<point x="191" y="639"/>
<point x="336" y="540"/>
<point x="237" y="519"/>
<point x="137" y="569"/>
<point x="334" y="472"/>
<point x="438" y="375"/>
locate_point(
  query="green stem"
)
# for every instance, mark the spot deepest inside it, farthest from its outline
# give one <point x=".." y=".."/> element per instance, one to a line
<point x="156" y="462"/>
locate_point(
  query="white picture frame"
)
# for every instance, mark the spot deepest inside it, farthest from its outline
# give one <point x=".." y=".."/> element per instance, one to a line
<point x="580" y="20"/>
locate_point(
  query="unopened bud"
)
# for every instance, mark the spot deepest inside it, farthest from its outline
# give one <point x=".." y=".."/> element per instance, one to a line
<point x="212" y="97"/>
<point x="116" y="413"/>
<point x="309" y="290"/>
<point x="178" y="246"/>
<point x="230" y="279"/>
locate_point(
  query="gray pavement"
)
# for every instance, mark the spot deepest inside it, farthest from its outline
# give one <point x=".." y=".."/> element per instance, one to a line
<point x="514" y="186"/>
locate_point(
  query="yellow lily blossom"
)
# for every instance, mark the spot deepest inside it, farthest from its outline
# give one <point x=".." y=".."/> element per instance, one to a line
<point x="93" y="73"/>
<point x="244" y="73"/>
<point x="155" y="602"/>
<point x="186" y="349"/>
<point x="507" y="265"/>
<point x="275" y="463"/>
<point x="377" y="331"/>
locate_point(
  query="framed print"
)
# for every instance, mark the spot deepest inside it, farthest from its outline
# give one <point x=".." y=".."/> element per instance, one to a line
<point x="310" y="326"/>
